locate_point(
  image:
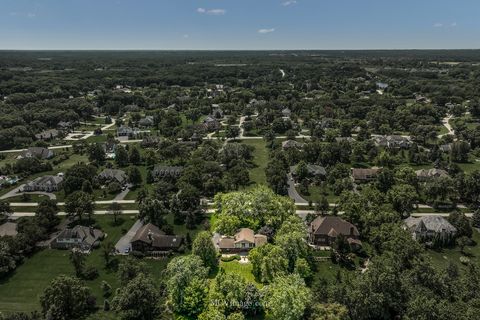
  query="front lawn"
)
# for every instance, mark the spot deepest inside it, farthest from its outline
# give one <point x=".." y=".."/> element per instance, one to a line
<point x="441" y="258"/>
<point x="260" y="159"/>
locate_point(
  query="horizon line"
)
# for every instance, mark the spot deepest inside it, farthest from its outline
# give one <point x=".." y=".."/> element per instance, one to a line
<point x="350" y="49"/>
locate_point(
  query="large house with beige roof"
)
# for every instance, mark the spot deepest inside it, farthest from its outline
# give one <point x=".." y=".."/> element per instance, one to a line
<point x="244" y="240"/>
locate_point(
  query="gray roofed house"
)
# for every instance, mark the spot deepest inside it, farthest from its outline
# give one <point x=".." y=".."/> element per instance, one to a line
<point x="161" y="172"/>
<point x="150" y="238"/>
<point x="365" y="175"/>
<point x="313" y="170"/>
<point x="64" y="125"/>
<point x="348" y="139"/>
<point x="8" y="229"/>
<point x="148" y="121"/>
<point x="37" y="152"/>
<point x="45" y="184"/>
<point x="78" y="237"/>
<point x="150" y="141"/>
<point x="211" y="124"/>
<point x="428" y="227"/>
<point x="393" y="142"/>
<point x="47" y="134"/>
<point x="429" y="174"/>
<point x="286" y="112"/>
<point x="287" y="144"/>
<point x="123" y="131"/>
<point x="445" y="147"/>
<point x="112" y="175"/>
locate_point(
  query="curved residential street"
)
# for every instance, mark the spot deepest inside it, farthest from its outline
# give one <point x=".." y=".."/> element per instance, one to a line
<point x="446" y="124"/>
<point x="293" y="193"/>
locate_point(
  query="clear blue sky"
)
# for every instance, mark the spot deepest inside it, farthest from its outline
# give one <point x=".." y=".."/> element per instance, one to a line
<point x="239" y="24"/>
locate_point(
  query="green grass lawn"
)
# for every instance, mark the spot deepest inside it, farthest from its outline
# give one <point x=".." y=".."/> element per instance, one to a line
<point x="316" y="193"/>
<point x="28" y="198"/>
<point x="260" y="154"/>
<point x="21" y="291"/>
<point x="441" y="258"/>
<point x="242" y="269"/>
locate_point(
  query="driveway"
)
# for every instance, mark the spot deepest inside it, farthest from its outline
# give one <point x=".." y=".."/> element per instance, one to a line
<point x="124" y="243"/>
<point x="292" y="192"/>
<point x="122" y="194"/>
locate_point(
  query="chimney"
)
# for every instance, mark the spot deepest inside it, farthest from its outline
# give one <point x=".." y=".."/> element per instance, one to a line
<point x="150" y="235"/>
<point x="91" y="231"/>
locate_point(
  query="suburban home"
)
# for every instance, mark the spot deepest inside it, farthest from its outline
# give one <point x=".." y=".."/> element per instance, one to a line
<point x="146" y="122"/>
<point x="8" y="229"/>
<point x="392" y="142"/>
<point x="445" y="147"/>
<point x="112" y="175"/>
<point x="314" y="171"/>
<point x="47" y="134"/>
<point x="150" y="239"/>
<point x="342" y="139"/>
<point x="365" y="175"/>
<point x="324" y="230"/>
<point x="150" y="142"/>
<point x="124" y="131"/>
<point x="78" y="237"/>
<point x="286" y="113"/>
<point x="211" y="124"/>
<point x="64" y="126"/>
<point x="160" y="172"/>
<point x="430" y="174"/>
<point x="37" y="152"/>
<point x="292" y="144"/>
<point x="217" y="113"/>
<point x="244" y="240"/>
<point x="45" y="184"/>
<point x="430" y="227"/>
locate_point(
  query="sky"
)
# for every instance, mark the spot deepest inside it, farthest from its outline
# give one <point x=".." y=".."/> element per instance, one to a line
<point x="239" y="24"/>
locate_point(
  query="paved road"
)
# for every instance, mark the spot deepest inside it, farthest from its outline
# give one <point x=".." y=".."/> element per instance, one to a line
<point x="34" y="204"/>
<point x="61" y="213"/>
<point x="292" y="192"/>
<point x="446" y="124"/>
<point x="282" y="72"/>
<point x="124" y="243"/>
<point x="122" y="194"/>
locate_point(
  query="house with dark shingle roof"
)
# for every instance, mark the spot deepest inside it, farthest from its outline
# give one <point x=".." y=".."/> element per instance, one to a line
<point x="37" y="152"/>
<point x="146" y="122"/>
<point x="112" y="175"/>
<point x="45" y="184"/>
<point x="166" y="172"/>
<point x="292" y="144"/>
<point x="47" y="134"/>
<point x="78" y="237"/>
<point x="149" y="238"/>
<point x="430" y="174"/>
<point x="324" y="230"/>
<point x="365" y="175"/>
<point x="313" y="170"/>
